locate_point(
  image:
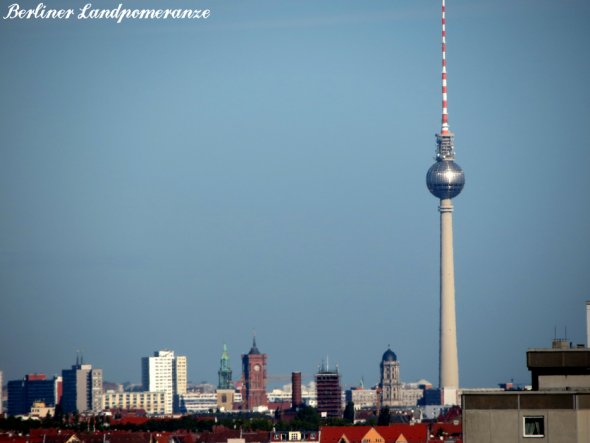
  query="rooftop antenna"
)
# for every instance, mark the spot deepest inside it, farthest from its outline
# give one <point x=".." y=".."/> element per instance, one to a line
<point x="445" y="149"/>
<point x="445" y="116"/>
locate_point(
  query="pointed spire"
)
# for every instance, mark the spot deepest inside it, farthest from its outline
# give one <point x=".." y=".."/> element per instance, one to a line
<point x="225" y="372"/>
<point x="445" y="149"/>
<point x="445" y="116"/>
<point x="254" y="349"/>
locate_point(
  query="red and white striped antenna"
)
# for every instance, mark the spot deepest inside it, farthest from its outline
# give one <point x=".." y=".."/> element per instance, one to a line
<point x="445" y="115"/>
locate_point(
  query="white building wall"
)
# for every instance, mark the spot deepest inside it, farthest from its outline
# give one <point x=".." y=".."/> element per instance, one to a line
<point x="199" y="402"/>
<point x="165" y="372"/>
<point x="153" y="403"/>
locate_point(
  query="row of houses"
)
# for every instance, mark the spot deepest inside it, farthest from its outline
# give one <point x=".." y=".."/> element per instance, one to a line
<point x="398" y="433"/>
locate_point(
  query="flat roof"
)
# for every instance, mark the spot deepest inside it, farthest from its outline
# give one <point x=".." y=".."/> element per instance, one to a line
<point x="567" y="359"/>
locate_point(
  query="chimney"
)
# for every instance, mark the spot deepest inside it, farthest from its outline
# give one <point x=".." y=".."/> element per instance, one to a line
<point x="296" y="390"/>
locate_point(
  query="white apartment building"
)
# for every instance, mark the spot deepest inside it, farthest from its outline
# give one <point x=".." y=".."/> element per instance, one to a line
<point x="165" y="372"/>
<point x="153" y="403"/>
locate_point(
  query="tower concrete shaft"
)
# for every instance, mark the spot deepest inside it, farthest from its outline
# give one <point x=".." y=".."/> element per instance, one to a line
<point x="448" y="359"/>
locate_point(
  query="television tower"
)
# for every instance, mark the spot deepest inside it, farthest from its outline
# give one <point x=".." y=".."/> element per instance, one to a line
<point x="445" y="180"/>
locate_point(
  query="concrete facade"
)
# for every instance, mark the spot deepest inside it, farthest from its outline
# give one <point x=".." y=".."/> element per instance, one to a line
<point x="82" y="389"/>
<point x="165" y="372"/>
<point x="448" y="357"/>
<point x="153" y="403"/>
<point x="556" y="410"/>
<point x="490" y="418"/>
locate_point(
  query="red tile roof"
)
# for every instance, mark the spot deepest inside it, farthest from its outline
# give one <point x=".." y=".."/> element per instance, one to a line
<point x="417" y="433"/>
<point x="222" y="434"/>
<point x="12" y="438"/>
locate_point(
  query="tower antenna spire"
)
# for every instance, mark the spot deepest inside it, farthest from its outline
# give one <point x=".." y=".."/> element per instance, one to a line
<point x="445" y="115"/>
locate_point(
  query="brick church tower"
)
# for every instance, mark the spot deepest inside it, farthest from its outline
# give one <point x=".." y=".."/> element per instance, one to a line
<point x="254" y="378"/>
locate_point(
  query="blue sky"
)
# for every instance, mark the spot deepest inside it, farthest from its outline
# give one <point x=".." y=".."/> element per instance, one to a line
<point x="180" y="184"/>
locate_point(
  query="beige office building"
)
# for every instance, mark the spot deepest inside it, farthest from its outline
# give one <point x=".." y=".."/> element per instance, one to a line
<point x="556" y="410"/>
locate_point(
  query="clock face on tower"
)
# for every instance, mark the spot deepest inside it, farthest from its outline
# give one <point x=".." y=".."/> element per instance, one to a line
<point x="257" y="368"/>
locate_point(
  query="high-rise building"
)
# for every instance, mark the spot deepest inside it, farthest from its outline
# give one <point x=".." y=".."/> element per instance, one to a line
<point x="180" y="375"/>
<point x="390" y="386"/>
<point x="445" y="180"/>
<point x="165" y="372"/>
<point x="33" y="388"/>
<point x="329" y="392"/>
<point x="82" y="388"/>
<point x="254" y="379"/>
<point x="225" y="373"/>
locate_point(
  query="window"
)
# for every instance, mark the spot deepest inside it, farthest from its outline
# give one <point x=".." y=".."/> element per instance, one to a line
<point x="534" y="426"/>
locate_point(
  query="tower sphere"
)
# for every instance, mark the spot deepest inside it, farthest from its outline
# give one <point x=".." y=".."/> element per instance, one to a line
<point x="445" y="179"/>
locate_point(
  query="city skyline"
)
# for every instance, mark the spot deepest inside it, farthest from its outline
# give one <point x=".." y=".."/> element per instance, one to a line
<point x="176" y="185"/>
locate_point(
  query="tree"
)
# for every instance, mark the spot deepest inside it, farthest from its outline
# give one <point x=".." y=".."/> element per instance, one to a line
<point x="384" y="417"/>
<point x="349" y="412"/>
<point x="307" y="418"/>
